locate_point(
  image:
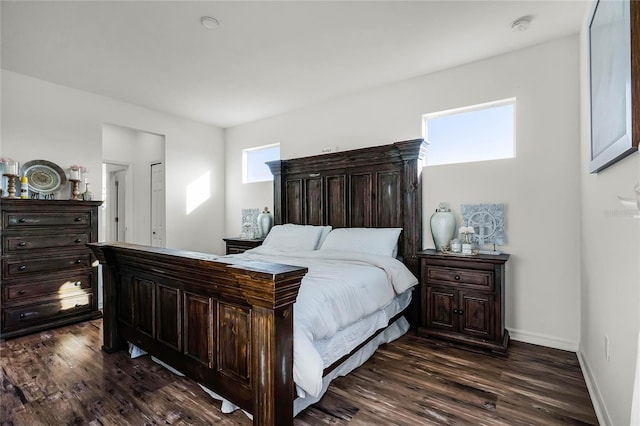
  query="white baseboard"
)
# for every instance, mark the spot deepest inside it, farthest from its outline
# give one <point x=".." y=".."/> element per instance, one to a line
<point x="543" y="340"/>
<point x="592" y="386"/>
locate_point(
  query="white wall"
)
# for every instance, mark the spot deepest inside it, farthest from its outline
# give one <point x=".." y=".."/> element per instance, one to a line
<point x="610" y="274"/>
<point x="41" y="120"/>
<point x="540" y="187"/>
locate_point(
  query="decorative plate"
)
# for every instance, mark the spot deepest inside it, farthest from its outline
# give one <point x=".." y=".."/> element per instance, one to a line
<point x="44" y="176"/>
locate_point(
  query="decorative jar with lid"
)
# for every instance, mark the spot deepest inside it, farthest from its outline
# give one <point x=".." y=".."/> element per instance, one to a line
<point x="443" y="227"/>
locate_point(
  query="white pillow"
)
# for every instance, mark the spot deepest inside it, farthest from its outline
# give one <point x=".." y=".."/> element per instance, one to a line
<point x="380" y="241"/>
<point x="293" y="237"/>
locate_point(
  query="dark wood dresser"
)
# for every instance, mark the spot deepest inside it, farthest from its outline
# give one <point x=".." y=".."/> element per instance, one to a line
<point x="463" y="299"/>
<point x="48" y="276"/>
<point x="240" y="245"/>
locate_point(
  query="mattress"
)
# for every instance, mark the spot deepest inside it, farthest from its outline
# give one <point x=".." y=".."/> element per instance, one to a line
<point x="340" y="289"/>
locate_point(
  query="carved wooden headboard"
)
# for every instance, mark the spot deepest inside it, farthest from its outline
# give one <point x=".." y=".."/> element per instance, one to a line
<point x="377" y="187"/>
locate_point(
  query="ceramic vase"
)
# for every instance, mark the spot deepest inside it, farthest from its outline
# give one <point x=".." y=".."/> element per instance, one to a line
<point x="265" y="222"/>
<point x="443" y="227"/>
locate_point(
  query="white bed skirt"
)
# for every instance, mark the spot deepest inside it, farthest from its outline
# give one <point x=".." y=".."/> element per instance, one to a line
<point x="391" y="333"/>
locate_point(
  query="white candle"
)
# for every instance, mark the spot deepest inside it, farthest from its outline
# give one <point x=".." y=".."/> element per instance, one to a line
<point x="12" y="168"/>
<point x="75" y="174"/>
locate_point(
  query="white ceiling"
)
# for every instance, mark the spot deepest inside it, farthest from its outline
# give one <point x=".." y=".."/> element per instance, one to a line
<point x="267" y="57"/>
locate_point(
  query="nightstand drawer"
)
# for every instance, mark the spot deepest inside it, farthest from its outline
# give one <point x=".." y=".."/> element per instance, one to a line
<point x="466" y="277"/>
<point x="239" y="245"/>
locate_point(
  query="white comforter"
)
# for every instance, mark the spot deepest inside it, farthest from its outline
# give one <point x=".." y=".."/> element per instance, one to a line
<point x="340" y="288"/>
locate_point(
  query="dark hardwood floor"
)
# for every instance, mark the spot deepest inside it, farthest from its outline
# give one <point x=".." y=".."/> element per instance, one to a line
<point x="62" y="377"/>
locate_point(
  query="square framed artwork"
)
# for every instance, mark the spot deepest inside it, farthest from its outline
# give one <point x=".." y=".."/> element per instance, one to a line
<point x="614" y="77"/>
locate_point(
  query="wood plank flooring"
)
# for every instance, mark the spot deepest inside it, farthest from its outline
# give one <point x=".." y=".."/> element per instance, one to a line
<point x="62" y="377"/>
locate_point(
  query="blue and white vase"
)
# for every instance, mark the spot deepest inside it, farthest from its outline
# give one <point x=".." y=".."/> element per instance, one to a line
<point x="443" y="227"/>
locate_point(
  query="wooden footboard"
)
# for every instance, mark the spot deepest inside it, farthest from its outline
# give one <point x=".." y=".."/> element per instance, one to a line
<point x="227" y="326"/>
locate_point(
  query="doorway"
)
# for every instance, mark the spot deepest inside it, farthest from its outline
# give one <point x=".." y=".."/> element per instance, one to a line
<point x="116" y="220"/>
<point x="134" y="193"/>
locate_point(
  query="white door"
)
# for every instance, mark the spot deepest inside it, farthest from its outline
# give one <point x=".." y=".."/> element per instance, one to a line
<point x="157" y="205"/>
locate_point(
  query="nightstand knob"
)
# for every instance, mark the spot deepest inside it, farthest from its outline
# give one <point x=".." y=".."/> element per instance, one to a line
<point x="78" y="240"/>
<point x="79" y="261"/>
<point x="22" y="267"/>
<point x="457" y="277"/>
<point x="22" y="244"/>
<point x="78" y="219"/>
<point x="21" y="292"/>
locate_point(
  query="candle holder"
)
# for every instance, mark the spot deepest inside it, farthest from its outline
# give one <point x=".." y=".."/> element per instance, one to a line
<point x="11" y="185"/>
<point x="75" y="189"/>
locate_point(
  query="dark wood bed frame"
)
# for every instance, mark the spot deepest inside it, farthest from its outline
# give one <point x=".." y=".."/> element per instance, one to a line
<point x="230" y="326"/>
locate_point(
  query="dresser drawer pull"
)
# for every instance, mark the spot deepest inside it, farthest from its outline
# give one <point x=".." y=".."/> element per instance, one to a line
<point x="78" y="283"/>
<point x="21" y="292"/>
<point x="457" y="277"/>
<point x="22" y="316"/>
<point x="22" y="267"/>
<point x="22" y="220"/>
<point x="22" y="244"/>
<point x="79" y="261"/>
<point x="78" y="240"/>
<point x="78" y="219"/>
<point x="458" y="311"/>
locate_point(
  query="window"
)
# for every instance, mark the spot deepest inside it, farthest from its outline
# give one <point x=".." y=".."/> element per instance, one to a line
<point x="476" y="133"/>
<point x="254" y="168"/>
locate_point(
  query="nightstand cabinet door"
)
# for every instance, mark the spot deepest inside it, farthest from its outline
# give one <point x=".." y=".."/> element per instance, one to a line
<point x="441" y="304"/>
<point x="476" y="314"/>
<point x="463" y="299"/>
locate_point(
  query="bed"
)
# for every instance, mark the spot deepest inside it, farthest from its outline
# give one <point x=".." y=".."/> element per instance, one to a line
<point x="228" y="323"/>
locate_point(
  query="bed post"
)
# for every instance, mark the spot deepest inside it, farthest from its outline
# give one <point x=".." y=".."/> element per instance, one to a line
<point x="271" y="344"/>
<point x="276" y="171"/>
<point x="111" y="340"/>
<point x="412" y="153"/>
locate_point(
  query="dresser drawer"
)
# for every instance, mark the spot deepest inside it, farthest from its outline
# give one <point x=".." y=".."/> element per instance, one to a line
<point x="20" y="315"/>
<point x="467" y="277"/>
<point x="13" y="268"/>
<point x="22" y="220"/>
<point x="16" y="244"/>
<point x="50" y="289"/>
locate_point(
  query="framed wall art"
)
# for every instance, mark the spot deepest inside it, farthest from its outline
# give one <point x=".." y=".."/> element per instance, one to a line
<point x="614" y="73"/>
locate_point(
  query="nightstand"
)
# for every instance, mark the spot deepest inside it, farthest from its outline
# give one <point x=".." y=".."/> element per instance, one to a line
<point x="237" y="245"/>
<point x="462" y="299"/>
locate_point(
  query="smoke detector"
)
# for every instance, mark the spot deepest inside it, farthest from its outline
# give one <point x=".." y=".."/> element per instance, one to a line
<point x="522" y="23"/>
<point x="209" y="23"/>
